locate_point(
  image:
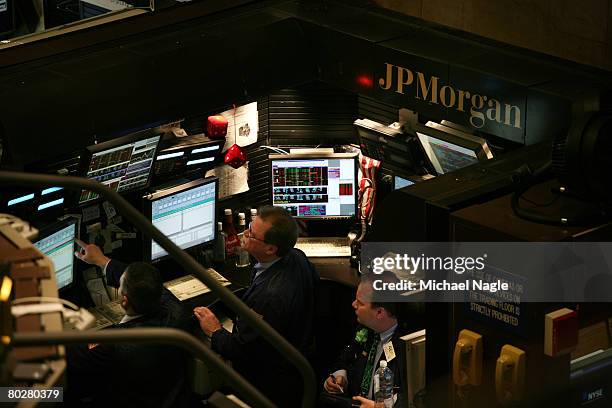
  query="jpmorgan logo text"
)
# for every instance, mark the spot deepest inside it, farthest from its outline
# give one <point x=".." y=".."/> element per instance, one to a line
<point x="427" y="88"/>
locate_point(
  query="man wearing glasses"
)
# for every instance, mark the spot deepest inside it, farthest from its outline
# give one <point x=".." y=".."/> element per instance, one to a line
<point x="282" y="292"/>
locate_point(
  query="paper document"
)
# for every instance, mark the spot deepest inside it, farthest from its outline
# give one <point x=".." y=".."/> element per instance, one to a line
<point x="246" y="126"/>
<point x="231" y="181"/>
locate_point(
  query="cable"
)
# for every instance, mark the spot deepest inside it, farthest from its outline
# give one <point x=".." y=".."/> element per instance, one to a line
<point x="45" y="299"/>
<point x="526" y="180"/>
<point x="535" y="204"/>
<point x="275" y="149"/>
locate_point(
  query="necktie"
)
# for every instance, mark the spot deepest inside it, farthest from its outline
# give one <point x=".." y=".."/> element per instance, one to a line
<point x="367" y="373"/>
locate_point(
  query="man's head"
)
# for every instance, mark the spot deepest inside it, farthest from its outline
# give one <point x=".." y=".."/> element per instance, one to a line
<point x="272" y="234"/>
<point x="140" y="289"/>
<point x="378" y="316"/>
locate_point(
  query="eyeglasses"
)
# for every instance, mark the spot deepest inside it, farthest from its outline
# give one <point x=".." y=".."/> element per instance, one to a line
<point x="248" y="233"/>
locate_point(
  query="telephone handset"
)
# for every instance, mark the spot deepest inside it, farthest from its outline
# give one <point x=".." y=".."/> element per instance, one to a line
<point x="467" y="359"/>
<point x="510" y="375"/>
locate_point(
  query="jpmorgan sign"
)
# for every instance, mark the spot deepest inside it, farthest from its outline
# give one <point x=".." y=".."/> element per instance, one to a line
<point x="482" y="110"/>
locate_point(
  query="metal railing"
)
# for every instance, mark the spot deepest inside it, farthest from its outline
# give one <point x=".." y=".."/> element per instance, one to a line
<point x="190" y="266"/>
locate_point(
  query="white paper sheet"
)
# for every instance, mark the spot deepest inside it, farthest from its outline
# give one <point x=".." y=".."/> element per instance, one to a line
<point x="247" y="125"/>
<point x="231" y="181"/>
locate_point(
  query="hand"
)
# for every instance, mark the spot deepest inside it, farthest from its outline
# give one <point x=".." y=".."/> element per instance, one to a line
<point x="91" y="254"/>
<point x="208" y="321"/>
<point x="365" y="403"/>
<point x="335" y="387"/>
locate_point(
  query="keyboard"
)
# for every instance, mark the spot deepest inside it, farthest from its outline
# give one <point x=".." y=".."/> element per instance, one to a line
<point x="189" y="286"/>
<point x="108" y="314"/>
<point x="324" y="246"/>
<point x="101" y="320"/>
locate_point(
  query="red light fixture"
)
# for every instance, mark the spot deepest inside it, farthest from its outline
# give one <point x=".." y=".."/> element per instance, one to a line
<point x="365" y="80"/>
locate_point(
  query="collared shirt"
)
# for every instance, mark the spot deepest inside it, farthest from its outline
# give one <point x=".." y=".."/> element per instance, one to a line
<point x="260" y="267"/>
<point x="385" y="337"/>
<point x="127" y="318"/>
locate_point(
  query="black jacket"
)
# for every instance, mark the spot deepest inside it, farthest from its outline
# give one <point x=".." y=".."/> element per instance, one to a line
<point x="284" y="296"/>
<point x="124" y="374"/>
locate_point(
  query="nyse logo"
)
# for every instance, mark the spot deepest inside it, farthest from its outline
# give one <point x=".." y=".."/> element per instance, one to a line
<point x="592" y="395"/>
<point x="481" y="108"/>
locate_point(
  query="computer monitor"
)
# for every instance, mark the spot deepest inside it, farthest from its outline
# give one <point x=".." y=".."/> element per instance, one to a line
<point x="450" y="149"/>
<point x="315" y="186"/>
<point x="123" y="164"/>
<point x="401" y="181"/>
<point x="57" y="243"/>
<point x="184" y="213"/>
<point x="415" y="364"/>
<point x="388" y="144"/>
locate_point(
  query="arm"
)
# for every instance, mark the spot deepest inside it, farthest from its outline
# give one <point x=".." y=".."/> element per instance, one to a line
<point x="113" y="271"/>
<point x="86" y="361"/>
<point x="244" y="341"/>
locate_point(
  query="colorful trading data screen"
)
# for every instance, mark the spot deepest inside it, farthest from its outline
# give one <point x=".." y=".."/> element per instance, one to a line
<point x="59" y="247"/>
<point x="187" y="218"/>
<point x="444" y="156"/>
<point x="315" y="187"/>
<point x="123" y="168"/>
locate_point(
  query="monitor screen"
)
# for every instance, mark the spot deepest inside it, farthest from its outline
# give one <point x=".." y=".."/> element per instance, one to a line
<point x="450" y="149"/>
<point x="401" y="182"/>
<point x="57" y="243"/>
<point x="314" y="186"/>
<point x="123" y="164"/>
<point x="185" y="214"/>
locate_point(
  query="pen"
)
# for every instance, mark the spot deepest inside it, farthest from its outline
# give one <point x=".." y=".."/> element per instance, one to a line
<point x="333" y="377"/>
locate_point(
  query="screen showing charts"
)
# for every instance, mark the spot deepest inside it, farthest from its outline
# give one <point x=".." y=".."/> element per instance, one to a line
<point x="187" y="217"/>
<point x="445" y="156"/>
<point x="59" y="247"/>
<point x="122" y="168"/>
<point x="315" y="187"/>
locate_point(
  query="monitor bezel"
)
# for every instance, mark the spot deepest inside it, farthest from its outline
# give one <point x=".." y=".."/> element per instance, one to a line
<point x="51" y="229"/>
<point x="148" y="209"/>
<point x="300" y="156"/>
<point x="476" y="144"/>
<point x="90" y="151"/>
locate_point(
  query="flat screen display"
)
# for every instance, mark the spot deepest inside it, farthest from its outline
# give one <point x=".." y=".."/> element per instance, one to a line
<point x="401" y="182"/>
<point x="445" y="156"/>
<point x="122" y="167"/>
<point x="185" y="214"/>
<point x="57" y="243"/>
<point x="315" y="187"/>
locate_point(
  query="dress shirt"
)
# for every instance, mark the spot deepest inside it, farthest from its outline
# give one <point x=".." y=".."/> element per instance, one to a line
<point x="260" y="267"/>
<point x="127" y="318"/>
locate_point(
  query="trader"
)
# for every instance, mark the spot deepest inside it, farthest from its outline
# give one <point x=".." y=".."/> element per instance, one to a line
<point x="128" y="374"/>
<point x="282" y="292"/>
<point x="377" y="339"/>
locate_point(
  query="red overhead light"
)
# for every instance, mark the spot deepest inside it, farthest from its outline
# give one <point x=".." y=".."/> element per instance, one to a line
<point x="365" y="81"/>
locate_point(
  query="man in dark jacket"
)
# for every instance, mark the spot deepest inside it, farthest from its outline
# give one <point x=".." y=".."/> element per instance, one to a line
<point x="377" y="339"/>
<point x="282" y="292"/>
<point x="128" y="374"/>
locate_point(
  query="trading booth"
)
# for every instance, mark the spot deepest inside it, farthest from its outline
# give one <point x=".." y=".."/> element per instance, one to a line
<point x="367" y="128"/>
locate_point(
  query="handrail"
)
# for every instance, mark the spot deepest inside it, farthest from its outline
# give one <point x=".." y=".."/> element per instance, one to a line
<point x="146" y="336"/>
<point x="184" y="260"/>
